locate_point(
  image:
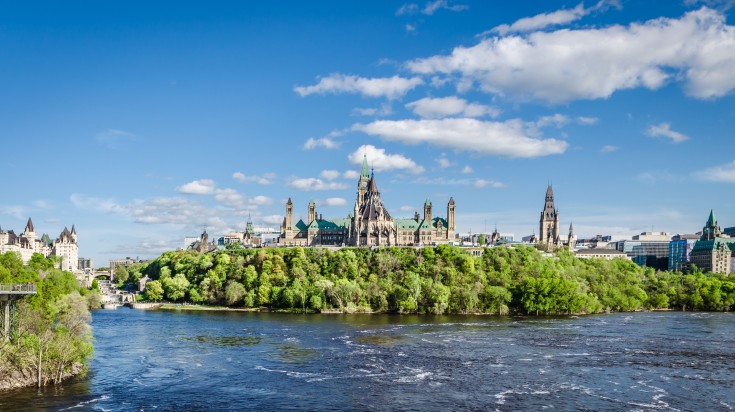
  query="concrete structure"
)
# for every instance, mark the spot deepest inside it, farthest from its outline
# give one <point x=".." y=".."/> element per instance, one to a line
<point x="608" y="254"/>
<point x="653" y="237"/>
<point x="647" y="249"/>
<point x="370" y="225"/>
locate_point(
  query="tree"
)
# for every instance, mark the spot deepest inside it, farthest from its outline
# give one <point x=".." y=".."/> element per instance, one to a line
<point x="176" y="287"/>
<point x="153" y="290"/>
<point x="234" y="293"/>
<point x="481" y="239"/>
<point x="121" y="274"/>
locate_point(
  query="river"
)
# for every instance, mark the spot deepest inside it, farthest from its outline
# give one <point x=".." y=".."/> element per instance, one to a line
<point x="182" y="361"/>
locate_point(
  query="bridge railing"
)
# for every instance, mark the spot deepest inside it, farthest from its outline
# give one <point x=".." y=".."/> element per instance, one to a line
<point x="17" y="288"/>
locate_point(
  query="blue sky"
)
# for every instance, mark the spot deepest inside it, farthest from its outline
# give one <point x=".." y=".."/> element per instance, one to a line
<point x="143" y="122"/>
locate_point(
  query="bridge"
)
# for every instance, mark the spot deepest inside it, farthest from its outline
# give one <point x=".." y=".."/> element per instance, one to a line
<point x="9" y="293"/>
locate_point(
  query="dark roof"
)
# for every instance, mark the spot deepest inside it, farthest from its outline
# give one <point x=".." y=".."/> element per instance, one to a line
<point x="323" y="224"/>
<point x="29" y="226"/>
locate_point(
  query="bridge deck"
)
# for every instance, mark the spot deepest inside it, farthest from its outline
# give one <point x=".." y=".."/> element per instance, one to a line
<point x="17" y="289"/>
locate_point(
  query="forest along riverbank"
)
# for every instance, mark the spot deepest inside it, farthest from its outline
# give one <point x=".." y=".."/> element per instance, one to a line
<point x="433" y="280"/>
<point x="266" y="361"/>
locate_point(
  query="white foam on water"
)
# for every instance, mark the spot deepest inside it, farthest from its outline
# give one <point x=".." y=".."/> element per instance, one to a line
<point x="85" y="403"/>
<point x="292" y="374"/>
<point x="525" y="360"/>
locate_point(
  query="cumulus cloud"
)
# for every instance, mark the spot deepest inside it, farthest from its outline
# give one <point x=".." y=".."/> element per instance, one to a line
<point x="329" y="174"/>
<point x="334" y="201"/>
<point x="325" y="142"/>
<point x="443" y="162"/>
<point x="351" y="174"/>
<point x="313" y="183"/>
<point x="197" y="187"/>
<point x="467" y="170"/>
<point x="436" y="108"/>
<point x="557" y="120"/>
<point x="262" y="200"/>
<point x="264" y="179"/>
<point x="272" y="219"/>
<point x="336" y="83"/>
<point x="480" y="183"/>
<point x="697" y="49"/>
<point x="723" y="173"/>
<point x="98" y="204"/>
<point x="510" y="138"/>
<point x="664" y="130"/>
<point x="381" y="161"/>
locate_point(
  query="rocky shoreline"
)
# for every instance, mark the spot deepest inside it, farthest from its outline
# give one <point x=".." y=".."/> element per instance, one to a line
<point x="13" y="378"/>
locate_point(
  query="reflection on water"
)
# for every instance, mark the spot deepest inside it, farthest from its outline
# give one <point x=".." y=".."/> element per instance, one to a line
<point x="257" y="361"/>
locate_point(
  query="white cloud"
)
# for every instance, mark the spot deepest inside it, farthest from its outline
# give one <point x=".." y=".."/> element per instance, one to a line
<point x="385" y="109"/>
<point x="587" y="120"/>
<point x="478" y="183"/>
<point x="262" y="200"/>
<point x="467" y="170"/>
<point x="557" y="120"/>
<point x="556" y="18"/>
<point x="334" y="201"/>
<point x="231" y="198"/>
<point x="272" y="219"/>
<point x="324" y="142"/>
<point x="411" y="28"/>
<point x="407" y="209"/>
<point x="723" y="173"/>
<point x="312" y="183"/>
<point x="609" y="149"/>
<point x="114" y="138"/>
<point x="336" y="83"/>
<point x="697" y="49"/>
<point x="664" y="130"/>
<point x="408" y="8"/>
<point x="351" y="174"/>
<point x="443" y="162"/>
<point x="104" y="205"/>
<point x="197" y="187"/>
<point x="433" y="6"/>
<point x="510" y="138"/>
<point x="382" y="161"/>
<point x="265" y="179"/>
<point x="329" y="174"/>
<point x="434" y="108"/>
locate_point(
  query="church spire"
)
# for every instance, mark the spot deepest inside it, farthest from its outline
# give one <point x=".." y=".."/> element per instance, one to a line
<point x="29" y="226"/>
<point x="365" y="169"/>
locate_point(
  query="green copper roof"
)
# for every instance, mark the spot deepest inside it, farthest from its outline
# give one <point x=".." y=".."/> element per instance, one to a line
<point x="711" y="221"/>
<point x="428" y="202"/>
<point x="709" y="245"/>
<point x="300" y="225"/>
<point x="323" y="224"/>
<point x="365" y="172"/>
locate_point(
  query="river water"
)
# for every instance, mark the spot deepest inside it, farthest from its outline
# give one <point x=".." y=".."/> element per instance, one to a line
<point x="182" y="361"/>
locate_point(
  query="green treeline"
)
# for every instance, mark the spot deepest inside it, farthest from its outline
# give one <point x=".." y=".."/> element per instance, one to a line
<point x="438" y="280"/>
<point x="51" y="339"/>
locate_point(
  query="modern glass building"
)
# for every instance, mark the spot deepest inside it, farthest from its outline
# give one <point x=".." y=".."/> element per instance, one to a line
<point x="679" y="253"/>
<point x="649" y="253"/>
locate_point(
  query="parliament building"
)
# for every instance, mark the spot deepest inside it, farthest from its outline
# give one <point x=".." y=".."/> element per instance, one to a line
<point x="370" y="224"/>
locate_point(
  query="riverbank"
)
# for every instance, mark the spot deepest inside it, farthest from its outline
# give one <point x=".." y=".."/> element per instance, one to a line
<point x="14" y="378"/>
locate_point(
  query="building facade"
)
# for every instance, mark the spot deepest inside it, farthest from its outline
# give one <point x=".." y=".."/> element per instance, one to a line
<point x="369" y="224"/>
<point x="680" y="250"/>
<point x="713" y="252"/>
<point x="28" y="243"/>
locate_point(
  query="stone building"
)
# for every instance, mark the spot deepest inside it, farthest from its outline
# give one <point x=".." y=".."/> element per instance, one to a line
<point x="712" y="252"/>
<point x="28" y="243"/>
<point x="369" y="224"/>
<point x="548" y="236"/>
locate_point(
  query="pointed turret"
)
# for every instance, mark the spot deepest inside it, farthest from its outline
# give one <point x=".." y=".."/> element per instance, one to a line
<point x="711" y="230"/>
<point x="365" y="171"/>
<point x="372" y="185"/>
<point x="73" y="230"/>
<point x="29" y="226"/>
<point x="711" y="221"/>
